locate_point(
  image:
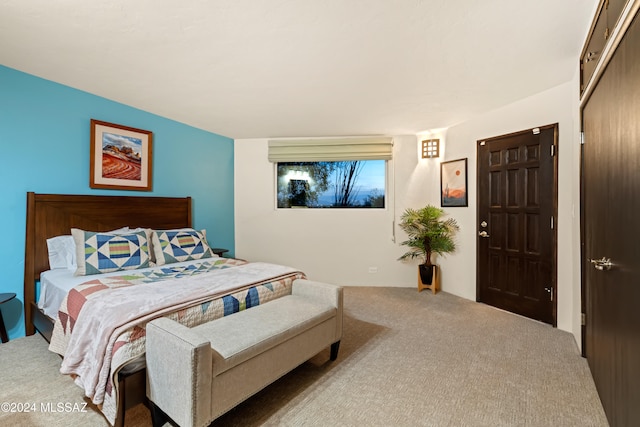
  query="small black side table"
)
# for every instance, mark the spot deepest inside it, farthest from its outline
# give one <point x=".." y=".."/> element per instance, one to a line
<point x="3" y="332"/>
<point x="219" y="251"/>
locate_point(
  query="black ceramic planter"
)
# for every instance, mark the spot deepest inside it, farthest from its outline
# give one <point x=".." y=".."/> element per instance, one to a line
<point x="426" y="273"/>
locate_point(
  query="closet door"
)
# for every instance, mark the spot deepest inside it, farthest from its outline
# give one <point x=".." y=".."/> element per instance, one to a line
<point x="611" y="214"/>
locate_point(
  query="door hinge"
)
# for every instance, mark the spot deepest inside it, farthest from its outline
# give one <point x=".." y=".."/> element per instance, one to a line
<point x="535" y="131"/>
<point x="553" y="150"/>
<point x="583" y="319"/>
<point x="581" y="138"/>
<point x="553" y="223"/>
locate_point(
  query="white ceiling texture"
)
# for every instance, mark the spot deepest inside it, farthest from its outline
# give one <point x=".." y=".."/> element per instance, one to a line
<point x="280" y="68"/>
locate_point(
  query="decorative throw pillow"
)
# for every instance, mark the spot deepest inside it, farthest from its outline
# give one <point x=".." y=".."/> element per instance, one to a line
<point x="98" y="252"/>
<point x="184" y="244"/>
<point x="147" y="232"/>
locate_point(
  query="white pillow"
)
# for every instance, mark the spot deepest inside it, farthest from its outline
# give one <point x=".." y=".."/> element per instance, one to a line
<point x="62" y="252"/>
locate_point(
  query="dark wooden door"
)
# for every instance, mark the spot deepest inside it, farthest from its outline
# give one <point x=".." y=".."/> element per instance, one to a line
<point x="611" y="230"/>
<point x="516" y="223"/>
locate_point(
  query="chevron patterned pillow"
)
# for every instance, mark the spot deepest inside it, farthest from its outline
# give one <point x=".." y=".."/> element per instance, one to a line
<point x="184" y="244"/>
<point x="98" y="252"/>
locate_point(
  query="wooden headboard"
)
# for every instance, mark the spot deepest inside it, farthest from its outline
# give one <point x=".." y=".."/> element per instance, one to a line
<point x="50" y="215"/>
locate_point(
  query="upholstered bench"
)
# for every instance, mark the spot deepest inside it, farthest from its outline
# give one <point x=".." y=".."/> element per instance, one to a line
<point x="197" y="374"/>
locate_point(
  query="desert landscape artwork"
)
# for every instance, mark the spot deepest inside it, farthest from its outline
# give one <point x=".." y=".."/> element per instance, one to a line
<point x="120" y="157"/>
<point x="453" y="182"/>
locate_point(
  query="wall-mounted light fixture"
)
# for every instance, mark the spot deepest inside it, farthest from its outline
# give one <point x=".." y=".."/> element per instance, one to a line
<point x="430" y="148"/>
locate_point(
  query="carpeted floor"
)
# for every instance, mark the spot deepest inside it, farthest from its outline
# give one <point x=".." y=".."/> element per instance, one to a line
<point x="406" y="359"/>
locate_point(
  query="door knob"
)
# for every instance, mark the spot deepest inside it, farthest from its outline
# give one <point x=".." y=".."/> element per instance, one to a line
<point x="602" y="264"/>
<point x="483" y="234"/>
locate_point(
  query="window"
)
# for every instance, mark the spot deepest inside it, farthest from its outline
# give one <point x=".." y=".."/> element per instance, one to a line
<point x="335" y="184"/>
<point x="332" y="172"/>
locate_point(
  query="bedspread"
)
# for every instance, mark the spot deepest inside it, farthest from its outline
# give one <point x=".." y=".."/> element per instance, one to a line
<point x="100" y="325"/>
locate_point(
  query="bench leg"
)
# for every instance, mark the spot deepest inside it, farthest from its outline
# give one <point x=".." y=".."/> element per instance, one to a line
<point x="334" y="350"/>
<point x="158" y="417"/>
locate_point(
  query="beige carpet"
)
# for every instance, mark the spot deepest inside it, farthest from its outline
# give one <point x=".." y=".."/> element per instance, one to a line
<point x="406" y="359"/>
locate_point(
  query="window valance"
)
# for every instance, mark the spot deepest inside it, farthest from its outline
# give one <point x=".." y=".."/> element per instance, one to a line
<point x="330" y="149"/>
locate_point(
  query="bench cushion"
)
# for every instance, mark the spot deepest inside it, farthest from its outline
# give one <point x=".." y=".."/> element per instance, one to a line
<point x="241" y="336"/>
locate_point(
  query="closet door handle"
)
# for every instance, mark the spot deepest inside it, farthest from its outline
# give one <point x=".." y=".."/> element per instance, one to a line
<point x="602" y="264"/>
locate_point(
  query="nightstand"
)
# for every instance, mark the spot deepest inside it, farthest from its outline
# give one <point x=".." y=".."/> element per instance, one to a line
<point x="3" y="332"/>
<point x="219" y="251"/>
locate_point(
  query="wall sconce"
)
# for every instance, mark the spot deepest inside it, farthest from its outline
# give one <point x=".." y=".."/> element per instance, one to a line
<point x="430" y="148"/>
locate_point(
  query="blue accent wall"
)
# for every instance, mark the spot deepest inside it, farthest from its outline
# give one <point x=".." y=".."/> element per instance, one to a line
<point x="45" y="141"/>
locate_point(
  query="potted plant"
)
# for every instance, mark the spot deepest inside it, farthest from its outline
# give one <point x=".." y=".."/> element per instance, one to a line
<point x="428" y="234"/>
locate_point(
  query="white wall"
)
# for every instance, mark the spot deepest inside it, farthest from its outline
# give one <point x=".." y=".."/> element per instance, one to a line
<point x="557" y="105"/>
<point x="332" y="245"/>
<point x="340" y="246"/>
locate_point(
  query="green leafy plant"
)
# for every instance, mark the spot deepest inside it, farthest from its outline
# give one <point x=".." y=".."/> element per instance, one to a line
<point x="428" y="233"/>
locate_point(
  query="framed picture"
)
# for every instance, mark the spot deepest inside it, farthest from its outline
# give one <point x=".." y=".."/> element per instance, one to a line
<point x="453" y="183"/>
<point x="120" y="157"/>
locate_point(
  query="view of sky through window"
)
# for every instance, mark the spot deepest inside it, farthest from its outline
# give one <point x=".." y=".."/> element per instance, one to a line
<point x="345" y="184"/>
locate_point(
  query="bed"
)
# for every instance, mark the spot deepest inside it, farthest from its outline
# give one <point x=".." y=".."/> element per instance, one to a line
<point x="50" y="215"/>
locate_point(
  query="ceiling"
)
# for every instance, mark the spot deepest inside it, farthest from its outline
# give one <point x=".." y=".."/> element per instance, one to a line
<point x="304" y="68"/>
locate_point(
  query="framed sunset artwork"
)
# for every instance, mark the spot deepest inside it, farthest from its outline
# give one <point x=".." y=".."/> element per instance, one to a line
<point x="120" y="157"/>
<point x="453" y="183"/>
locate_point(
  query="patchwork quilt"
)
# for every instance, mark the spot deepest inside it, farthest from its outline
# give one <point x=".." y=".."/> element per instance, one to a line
<point x="101" y="323"/>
